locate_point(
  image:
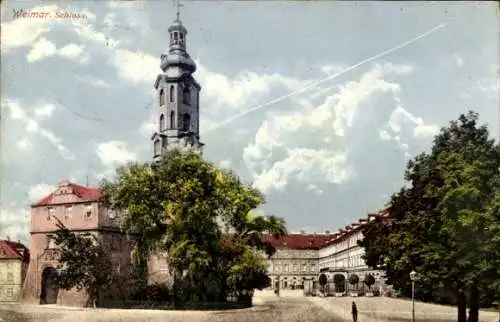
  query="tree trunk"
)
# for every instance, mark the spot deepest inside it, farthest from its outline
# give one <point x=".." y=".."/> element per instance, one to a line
<point x="462" y="306"/>
<point x="474" y="304"/>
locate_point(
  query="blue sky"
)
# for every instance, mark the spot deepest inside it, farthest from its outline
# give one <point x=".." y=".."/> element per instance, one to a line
<point x="78" y="95"/>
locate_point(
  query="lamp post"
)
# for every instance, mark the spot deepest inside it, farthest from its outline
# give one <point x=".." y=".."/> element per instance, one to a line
<point x="413" y="275"/>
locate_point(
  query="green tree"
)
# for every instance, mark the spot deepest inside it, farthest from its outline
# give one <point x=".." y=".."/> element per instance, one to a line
<point x="354" y="280"/>
<point x="83" y="263"/>
<point x="443" y="224"/>
<point x="181" y="205"/>
<point x="369" y="281"/>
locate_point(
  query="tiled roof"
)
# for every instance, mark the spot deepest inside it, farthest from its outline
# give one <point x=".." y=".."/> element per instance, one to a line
<point x="84" y="193"/>
<point x="9" y="249"/>
<point x="293" y="241"/>
<point x="299" y="241"/>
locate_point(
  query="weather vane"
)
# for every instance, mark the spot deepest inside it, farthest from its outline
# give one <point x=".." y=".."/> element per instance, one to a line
<point x="177" y="6"/>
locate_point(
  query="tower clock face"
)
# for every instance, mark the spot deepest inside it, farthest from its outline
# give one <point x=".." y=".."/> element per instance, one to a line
<point x="111" y="213"/>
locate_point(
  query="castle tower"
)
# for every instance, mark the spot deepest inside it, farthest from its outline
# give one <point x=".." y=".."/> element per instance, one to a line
<point x="178" y="98"/>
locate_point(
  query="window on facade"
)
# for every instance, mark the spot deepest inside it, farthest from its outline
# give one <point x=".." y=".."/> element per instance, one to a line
<point x="171" y="96"/>
<point x="162" y="97"/>
<point x="9" y="263"/>
<point x="50" y="213"/>
<point x="172" y="120"/>
<point x="10" y="277"/>
<point x="88" y="211"/>
<point x="186" y="95"/>
<point x="162" y="123"/>
<point x="285" y="267"/>
<point x="68" y="212"/>
<point x="304" y="268"/>
<point x="277" y="268"/>
<point x="10" y="292"/>
<point x="295" y="268"/>
<point x="186" y="122"/>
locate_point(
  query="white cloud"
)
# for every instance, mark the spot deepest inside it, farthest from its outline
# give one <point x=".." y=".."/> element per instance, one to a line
<point x="25" y="32"/>
<point x="331" y="121"/>
<point x="71" y="51"/>
<point x="95" y="82"/>
<point x="400" y="118"/>
<point x="114" y="153"/>
<point x="39" y="191"/>
<point x="305" y="165"/>
<point x="42" y="49"/>
<point x="32" y="126"/>
<point x="226" y="164"/>
<point x="14" y="224"/>
<point x="45" y="111"/>
<point x="23" y="144"/>
<point x="136" y="66"/>
<point x="458" y="60"/>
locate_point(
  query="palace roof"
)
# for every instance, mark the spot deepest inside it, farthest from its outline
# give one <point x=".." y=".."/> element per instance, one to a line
<point x="84" y="194"/>
<point x="12" y="250"/>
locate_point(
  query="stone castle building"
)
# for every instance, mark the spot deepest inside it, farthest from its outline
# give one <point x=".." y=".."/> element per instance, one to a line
<point x="299" y="257"/>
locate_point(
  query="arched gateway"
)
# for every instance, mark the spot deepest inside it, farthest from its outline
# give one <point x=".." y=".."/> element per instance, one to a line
<point x="49" y="286"/>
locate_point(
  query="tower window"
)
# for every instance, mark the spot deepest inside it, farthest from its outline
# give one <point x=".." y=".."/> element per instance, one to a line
<point x="186" y="120"/>
<point x="172" y="120"/>
<point x="171" y="93"/>
<point x="186" y="95"/>
<point x="157" y="147"/>
<point x="176" y="36"/>
<point x="162" y="97"/>
<point x="162" y="123"/>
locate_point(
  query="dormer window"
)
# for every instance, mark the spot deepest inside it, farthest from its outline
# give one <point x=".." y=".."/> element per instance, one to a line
<point x="68" y="212"/>
<point x="88" y="212"/>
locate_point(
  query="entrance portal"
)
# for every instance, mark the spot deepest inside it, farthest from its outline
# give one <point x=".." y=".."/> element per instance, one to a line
<point x="50" y="288"/>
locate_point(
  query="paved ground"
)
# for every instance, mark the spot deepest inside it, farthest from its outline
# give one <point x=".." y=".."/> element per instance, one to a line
<point x="268" y="308"/>
<point x="379" y="309"/>
<point x="291" y="306"/>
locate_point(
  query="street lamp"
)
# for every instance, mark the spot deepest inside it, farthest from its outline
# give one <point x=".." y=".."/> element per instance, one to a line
<point x="413" y="276"/>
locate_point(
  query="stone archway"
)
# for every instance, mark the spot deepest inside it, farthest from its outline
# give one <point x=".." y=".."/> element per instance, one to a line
<point x="50" y="288"/>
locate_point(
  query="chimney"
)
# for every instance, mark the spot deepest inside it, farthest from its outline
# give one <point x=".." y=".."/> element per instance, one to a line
<point x="8" y="238"/>
<point x="327" y="232"/>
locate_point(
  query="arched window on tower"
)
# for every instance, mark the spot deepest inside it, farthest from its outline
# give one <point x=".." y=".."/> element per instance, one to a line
<point x="157" y="147"/>
<point x="186" y="95"/>
<point x="186" y="122"/>
<point x="171" y="93"/>
<point x="162" y="123"/>
<point x="162" y="97"/>
<point x="172" y="120"/>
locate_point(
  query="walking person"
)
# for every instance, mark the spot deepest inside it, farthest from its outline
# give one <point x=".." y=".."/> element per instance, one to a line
<point x="354" y="312"/>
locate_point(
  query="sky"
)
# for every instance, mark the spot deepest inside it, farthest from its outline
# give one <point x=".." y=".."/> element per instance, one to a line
<point x="318" y="104"/>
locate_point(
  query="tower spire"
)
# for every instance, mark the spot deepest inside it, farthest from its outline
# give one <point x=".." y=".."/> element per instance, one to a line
<point x="177" y="6"/>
